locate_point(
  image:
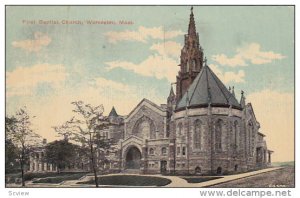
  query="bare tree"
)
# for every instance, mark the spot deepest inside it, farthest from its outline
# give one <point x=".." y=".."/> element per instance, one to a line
<point x="19" y="132"/>
<point x="85" y="129"/>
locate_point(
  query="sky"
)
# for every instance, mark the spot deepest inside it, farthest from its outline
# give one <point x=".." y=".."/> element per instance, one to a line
<point x="55" y="56"/>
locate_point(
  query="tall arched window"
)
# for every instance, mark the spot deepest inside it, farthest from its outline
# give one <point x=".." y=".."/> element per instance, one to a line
<point x="218" y="134"/>
<point x="187" y="66"/>
<point x="250" y="139"/>
<point x="197" y="134"/>
<point x="236" y="134"/>
<point x="145" y="129"/>
<point x="179" y="129"/>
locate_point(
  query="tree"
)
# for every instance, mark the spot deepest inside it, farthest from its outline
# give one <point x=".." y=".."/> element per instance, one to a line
<point x="85" y="129"/>
<point x="19" y="132"/>
<point x="11" y="156"/>
<point x="62" y="153"/>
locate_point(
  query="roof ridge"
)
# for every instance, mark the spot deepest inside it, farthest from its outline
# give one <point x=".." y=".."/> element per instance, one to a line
<point x="216" y="79"/>
<point x="200" y="74"/>
<point x="208" y="88"/>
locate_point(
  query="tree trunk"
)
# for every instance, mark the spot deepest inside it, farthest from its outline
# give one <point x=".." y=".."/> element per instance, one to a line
<point x="93" y="164"/>
<point x="22" y="168"/>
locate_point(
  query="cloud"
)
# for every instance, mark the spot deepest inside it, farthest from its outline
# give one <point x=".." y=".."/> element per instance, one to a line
<point x="156" y="66"/>
<point x="142" y="34"/>
<point x="249" y="53"/>
<point x="168" y="48"/>
<point x="35" y="45"/>
<point x="275" y="112"/>
<point x="227" y="77"/>
<point x="56" y="108"/>
<point x="23" y="80"/>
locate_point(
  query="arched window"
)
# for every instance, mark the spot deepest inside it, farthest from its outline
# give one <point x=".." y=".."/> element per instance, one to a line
<point x="151" y="151"/>
<point x="179" y="129"/>
<point x="187" y="66"/>
<point x="194" y="65"/>
<point x="197" y="134"/>
<point x="144" y="128"/>
<point x="218" y="135"/>
<point x="164" y="151"/>
<point x="250" y="138"/>
<point x="236" y="134"/>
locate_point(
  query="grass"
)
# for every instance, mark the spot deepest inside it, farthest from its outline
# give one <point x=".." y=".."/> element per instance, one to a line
<point x="61" y="178"/>
<point x="279" y="178"/>
<point x="11" y="178"/>
<point x="130" y="180"/>
<point x="290" y="163"/>
<point x="196" y="179"/>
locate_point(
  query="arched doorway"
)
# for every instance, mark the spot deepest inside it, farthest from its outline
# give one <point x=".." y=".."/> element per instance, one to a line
<point x="133" y="158"/>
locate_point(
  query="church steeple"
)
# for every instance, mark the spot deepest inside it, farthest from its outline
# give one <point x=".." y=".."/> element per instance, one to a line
<point x="191" y="59"/>
<point x="192" y="26"/>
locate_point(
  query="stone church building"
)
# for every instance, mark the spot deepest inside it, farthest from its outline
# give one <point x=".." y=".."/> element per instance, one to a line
<point x="203" y="128"/>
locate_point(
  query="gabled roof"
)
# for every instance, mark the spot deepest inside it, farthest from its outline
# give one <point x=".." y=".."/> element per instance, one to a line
<point x="207" y="89"/>
<point x="145" y="102"/>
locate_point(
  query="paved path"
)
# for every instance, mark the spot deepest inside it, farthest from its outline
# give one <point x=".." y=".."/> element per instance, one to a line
<point x="175" y="180"/>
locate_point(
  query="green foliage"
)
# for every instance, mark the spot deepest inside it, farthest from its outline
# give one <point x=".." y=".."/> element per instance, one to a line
<point x="62" y="153"/>
<point x="12" y="164"/>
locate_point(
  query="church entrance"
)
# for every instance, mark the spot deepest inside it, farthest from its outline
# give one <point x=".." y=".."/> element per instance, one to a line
<point x="163" y="166"/>
<point x="133" y="158"/>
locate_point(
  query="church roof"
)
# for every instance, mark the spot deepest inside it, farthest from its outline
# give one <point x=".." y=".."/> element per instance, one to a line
<point x="207" y="89"/>
<point x="113" y="113"/>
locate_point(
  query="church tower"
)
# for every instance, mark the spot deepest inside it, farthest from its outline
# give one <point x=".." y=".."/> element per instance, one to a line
<point x="191" y="59"/>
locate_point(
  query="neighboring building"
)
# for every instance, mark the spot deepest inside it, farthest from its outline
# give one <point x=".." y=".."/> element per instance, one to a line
<point x="203" y="129"/>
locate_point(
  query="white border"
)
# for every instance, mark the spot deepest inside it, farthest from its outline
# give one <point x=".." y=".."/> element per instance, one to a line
<point x="124" y="192"/>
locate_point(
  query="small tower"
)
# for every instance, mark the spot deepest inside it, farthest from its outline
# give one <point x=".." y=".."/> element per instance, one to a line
<point x="113" y="112"/>
<point x="171" y="101"/>
<point x="233" y="93"/>
<point x="191" y="59"/>
<point x="243" y="100"/>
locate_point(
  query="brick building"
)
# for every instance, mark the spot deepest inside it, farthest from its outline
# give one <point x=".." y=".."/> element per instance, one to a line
<point x="203" y="128"/>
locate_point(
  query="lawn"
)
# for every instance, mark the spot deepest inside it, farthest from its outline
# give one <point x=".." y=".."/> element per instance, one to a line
<point x="60" y="178"/>
<point x="11" y="178"/>
<point x="279" y="178"/>
<point x="130" y="180"/>
<point x="197" y="179"/>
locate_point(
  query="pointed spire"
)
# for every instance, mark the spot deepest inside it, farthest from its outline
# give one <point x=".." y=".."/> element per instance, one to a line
<point x="205" y="61"/>
<point x="243" y="99"/>
<point x="192" y="26"/>
<point x="171" y="92"/>
<point x="171" y="97"/>
<point x="233" y="93"/>
<point x="113" y="112"/>
<point x="229" y="88"/>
